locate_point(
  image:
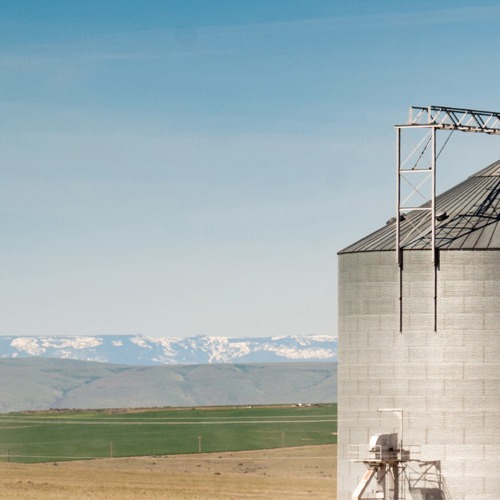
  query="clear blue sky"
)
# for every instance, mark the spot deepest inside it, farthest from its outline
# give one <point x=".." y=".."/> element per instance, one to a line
<point x="175" y="168"/>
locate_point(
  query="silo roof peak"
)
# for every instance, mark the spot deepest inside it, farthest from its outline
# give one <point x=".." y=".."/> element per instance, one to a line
<point x="492" y="170"/>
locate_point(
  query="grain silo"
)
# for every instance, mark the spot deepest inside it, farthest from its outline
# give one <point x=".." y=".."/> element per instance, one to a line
<point x="419" y="338"/>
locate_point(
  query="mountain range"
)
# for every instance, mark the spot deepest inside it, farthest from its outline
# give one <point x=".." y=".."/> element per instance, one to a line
<point x="149" y="351"/>
<point x="45" y="383"/>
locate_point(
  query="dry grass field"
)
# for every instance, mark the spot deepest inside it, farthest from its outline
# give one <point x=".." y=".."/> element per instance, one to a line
<point x="286" y="473"/>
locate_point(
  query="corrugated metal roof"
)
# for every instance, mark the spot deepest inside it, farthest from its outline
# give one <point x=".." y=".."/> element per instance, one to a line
<point x="473" y="209"/>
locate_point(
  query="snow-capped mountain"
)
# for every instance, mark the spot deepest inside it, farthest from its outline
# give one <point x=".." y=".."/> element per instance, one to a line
<point x="142" y="350"/>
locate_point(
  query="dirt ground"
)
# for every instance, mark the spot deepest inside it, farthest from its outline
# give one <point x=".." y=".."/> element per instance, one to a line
<point x="291" y="473"/>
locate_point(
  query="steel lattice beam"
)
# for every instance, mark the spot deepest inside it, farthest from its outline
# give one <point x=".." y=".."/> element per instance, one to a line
<point x="465" y="120"/>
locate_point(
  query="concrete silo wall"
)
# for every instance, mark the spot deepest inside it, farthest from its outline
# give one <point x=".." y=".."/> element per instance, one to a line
<point x="446" y="381"/>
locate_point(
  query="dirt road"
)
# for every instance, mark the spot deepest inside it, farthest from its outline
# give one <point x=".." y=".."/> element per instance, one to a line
<point x="291" y="473"/>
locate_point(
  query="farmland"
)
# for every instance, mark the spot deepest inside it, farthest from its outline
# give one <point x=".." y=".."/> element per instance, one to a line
<point x="285" y="473"/>
<point x="73" y="435"/>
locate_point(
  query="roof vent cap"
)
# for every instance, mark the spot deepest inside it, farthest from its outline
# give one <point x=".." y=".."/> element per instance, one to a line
<point x="440" y="216"/>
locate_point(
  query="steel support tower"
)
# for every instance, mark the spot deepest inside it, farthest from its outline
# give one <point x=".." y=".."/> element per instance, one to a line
<point x="416" y="177"/>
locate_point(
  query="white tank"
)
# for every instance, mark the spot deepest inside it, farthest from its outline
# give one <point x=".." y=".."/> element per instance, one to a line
<point x="445" y="379"/>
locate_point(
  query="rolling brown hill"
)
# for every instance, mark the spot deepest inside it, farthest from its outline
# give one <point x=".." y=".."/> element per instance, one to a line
<point x="43" y="383"/>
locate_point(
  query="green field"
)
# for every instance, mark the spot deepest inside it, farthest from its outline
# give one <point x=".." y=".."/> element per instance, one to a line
<point x="71" y="435"/>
